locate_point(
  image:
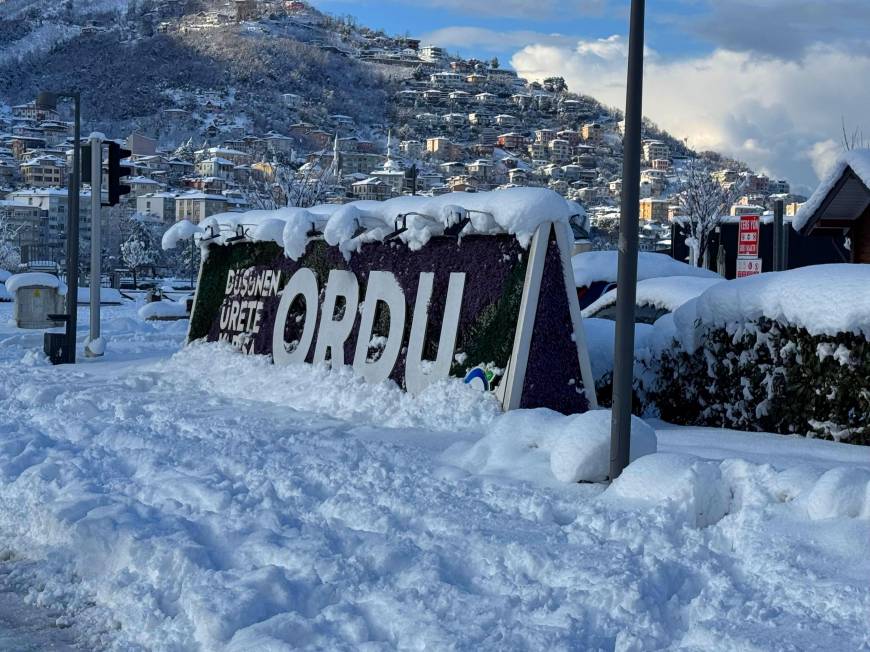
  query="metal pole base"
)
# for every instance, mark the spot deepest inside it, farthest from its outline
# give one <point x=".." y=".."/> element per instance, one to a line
<point x="95" y="348"/>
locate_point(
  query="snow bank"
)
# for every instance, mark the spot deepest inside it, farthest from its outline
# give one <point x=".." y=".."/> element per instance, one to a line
<point x="692" y="489"/>
<point x="515" y="211"/>
<point x="538" y="444"/>
<point x="858" y="160"/>
<point x="195" y="499"/>
<point x="592" y="266"/>
<point x="823" y="299"/>
<point x="840" y="493"/>
<point x="600" y="340"/>
<point x="108" y="296"/>
<point x="164" y="310"/>
<point x="38" y="279"/>
<point x="667" y="293"/>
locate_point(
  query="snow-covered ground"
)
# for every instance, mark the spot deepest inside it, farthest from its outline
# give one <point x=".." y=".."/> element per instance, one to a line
<point x="164" y="498"/>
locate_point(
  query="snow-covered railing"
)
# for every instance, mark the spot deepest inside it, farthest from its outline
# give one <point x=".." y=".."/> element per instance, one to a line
<point x="513" y="211"/>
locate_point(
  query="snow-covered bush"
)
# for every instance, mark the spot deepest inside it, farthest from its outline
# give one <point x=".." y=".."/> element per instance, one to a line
<point x="786" y="353"/>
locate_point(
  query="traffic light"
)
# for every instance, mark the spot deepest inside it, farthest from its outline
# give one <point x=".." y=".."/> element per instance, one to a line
<point x="116" y="171"/>
<point x="86" y="164"/>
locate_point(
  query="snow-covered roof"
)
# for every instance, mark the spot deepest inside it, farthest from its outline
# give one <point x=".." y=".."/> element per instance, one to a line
<point x="665" y="292"/>
<point x="592" y="266"/>
<point x="858" y="161"/>
<point x="35" y="279"/>
<point x="201" y="195"/>
<point x="515" y="211"/>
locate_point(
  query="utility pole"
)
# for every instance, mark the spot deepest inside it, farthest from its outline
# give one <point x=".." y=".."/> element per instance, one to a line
<point x="94" y="347"/>
<point x="778" y="237"/>
<point x="623" y="368"/>
<point x="65" y="353"/>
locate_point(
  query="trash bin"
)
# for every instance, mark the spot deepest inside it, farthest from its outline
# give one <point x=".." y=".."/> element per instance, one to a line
<point x="37" y="295"/>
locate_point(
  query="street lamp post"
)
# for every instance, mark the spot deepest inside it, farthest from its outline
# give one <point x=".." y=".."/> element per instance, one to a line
<point x="48" y="100"/>
<point x="626" y="282"/>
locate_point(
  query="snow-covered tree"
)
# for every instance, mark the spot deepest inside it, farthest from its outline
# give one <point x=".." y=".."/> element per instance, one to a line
<point x="141" y="246"/>
<point x="703" y="203"/>
<point x="10" y="256"/>
<point x="136" y="255"/>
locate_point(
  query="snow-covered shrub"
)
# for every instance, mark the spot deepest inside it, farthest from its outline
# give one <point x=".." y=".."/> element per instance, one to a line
<point x="766" y="376"/>
<point x="785" y="352"/>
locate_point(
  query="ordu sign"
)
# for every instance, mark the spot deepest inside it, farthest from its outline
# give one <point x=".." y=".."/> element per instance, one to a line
<point x="480" y="308"/>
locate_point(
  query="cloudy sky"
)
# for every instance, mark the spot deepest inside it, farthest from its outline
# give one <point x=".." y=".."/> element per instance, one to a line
<point x="767" y="81"/>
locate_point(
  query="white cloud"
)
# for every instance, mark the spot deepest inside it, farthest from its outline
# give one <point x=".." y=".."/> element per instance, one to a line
<point x="780" y="117"/>
<point x="488" y="40"/>
<point x="524" y="9"/>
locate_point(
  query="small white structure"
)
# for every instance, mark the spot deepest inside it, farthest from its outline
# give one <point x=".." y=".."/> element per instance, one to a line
<point x="37" y="295"/>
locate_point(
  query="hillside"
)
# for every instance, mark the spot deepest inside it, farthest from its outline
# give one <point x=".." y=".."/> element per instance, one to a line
<point x="121" y="51"/>
<point x="133" y="64"/>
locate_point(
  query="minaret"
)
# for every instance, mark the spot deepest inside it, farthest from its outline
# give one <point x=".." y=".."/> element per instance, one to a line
<point x="336" y="160"/>
<point x="390" y="164"/>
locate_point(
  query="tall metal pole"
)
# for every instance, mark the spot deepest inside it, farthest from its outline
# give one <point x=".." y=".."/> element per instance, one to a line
<point x="623" y="369"/>
<point x="72" y="236"/>
<point x="93" y="350"/>
<point x="777" y="236"/>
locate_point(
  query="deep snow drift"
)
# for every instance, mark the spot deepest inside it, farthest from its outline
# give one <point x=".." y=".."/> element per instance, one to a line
<point x="197" y="499"/>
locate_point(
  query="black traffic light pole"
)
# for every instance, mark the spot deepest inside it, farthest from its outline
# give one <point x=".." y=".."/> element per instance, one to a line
<point x="47" y="100"/>
<point x="626" y="282"/>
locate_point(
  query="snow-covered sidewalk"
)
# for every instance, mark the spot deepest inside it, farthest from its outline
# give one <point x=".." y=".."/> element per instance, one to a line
<point x="196" y="499"/>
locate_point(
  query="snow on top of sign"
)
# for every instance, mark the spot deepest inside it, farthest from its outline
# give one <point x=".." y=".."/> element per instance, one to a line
<point x="592" y="266"/>
<point x="823" y="299"/>
<point x="515" y="211"/>
<point x="858" y="160"/>
<point x="667" y="292"/>
<point x="35" y="279"/>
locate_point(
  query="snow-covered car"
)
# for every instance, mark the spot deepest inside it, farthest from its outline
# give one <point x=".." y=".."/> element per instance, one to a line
<point x="655" y="297"/>
<point x="595" y="272"/>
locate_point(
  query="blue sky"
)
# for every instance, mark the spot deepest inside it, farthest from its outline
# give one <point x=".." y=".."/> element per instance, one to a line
<point x="595" y="19"/>
<point x="767" y="81"/>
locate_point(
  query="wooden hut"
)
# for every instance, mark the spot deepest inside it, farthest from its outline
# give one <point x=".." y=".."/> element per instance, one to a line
<point x="841" y="205"/>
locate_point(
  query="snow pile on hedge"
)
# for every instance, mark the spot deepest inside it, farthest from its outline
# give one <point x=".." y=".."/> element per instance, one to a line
<point x="515" y="211"/>
<point x="539" y="444"/>
<point x="857" y="159"/>
<point x="4" y="275"/>
<point x="663" y="292"/>
<point x="785" y="352"/>
<point x="35" y="279"/>
<point x="602" y="266"/>
<point x="823" y="299"/>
